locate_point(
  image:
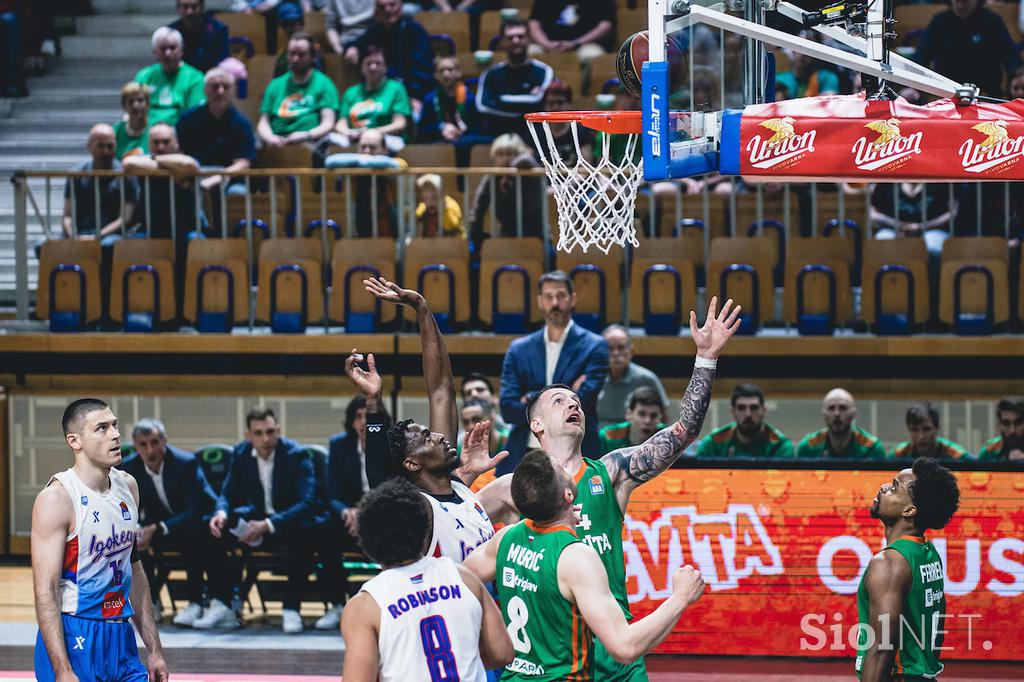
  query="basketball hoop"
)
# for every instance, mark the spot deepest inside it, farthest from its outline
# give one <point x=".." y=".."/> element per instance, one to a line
<point x="595" y="200"/>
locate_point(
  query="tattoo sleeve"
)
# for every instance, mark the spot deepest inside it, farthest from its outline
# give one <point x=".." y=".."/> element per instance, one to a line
<point x="657" y="454"/>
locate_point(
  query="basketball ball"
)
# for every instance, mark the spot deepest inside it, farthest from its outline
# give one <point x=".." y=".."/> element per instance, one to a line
<point x="635" y="51"/>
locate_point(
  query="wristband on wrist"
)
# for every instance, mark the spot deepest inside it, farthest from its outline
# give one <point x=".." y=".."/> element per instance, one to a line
<point x="704" y="363"/>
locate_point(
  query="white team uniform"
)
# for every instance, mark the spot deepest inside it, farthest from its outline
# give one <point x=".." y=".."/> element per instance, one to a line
<point x="429" y="623"/>
<point x="459" y="527"/>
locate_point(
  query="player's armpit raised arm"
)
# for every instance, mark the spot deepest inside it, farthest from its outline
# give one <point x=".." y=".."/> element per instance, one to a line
<point x="360" y="622"/>
<point x="52" y="515"/>
<point x="496" y="499"/>
<point x="582" y="578"/>
<point x="887" y="581"/>
<point x="495" y="645"/>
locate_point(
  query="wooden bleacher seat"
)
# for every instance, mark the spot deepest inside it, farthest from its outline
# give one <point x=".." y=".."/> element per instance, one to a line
<point x="340" y="71"/>
<point x="916" y="15"/>
<point x="231" y="253"/>
<point x="757" y="252"/>
<point x="677" y="252"/>
<point x="67" y="291"/>
<point x="429" y="156"/>
<point x="252" y="26"/>
<point x="909" y="253"/>
<point x="304" y="253"/>
<point x="490" y="26"/>
<point x="436" y="287"/>
<point x="375" y="252"/>
<point x="835" y="254"/>
<point x="989" y="253"/>
<point x="689" y="206"/>
<point x="629" y="21"/>
<point x="260" y="72"/>
<point x="454" y="24"/>
<point x="498" y="252"/>
<point x="773" y="208"/>
<point x="592" y="307"/>
<point x="157" y="253"/>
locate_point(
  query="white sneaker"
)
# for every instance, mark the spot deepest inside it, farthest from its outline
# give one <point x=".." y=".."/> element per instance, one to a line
<point x="188" y="615"/>
<point x="330" y="620"/>
<point x="219" y="615"/>
<point x="291" y="622"/>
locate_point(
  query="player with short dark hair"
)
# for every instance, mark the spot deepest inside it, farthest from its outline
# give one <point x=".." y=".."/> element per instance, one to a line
<point x="925" y="441"/>
<point x="423" y="617"/>
<point x="749" y="435"/>
<point x="83" y="606"/>
<point x="1009" y="444"/>
<point x="900" y="597"/>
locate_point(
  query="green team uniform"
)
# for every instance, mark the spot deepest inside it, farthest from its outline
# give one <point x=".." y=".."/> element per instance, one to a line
<point x="862" y="445"/>
<point x="171" y="96"/>
<point x="615" y="436"/>
<point x="944" y="449"/>
<point x="363" y="109"/>
<point x="723" y="442"/>
<point x="126" y="145"/>
<point x="551" y="640"/>
<point x="919" y="641"/>
<point x="601" y="528"/>
<point x="296" y="108"/>
<point x="995" y="450"/>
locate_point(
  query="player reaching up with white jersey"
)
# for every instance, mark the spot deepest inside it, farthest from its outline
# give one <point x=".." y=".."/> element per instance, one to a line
<point x="423" y="618"/>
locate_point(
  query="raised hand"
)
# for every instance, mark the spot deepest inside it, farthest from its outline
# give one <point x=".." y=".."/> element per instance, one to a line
<point x="688" y="583"/>
<point x="476" y="458"/>
<point x="367" y="380"/>
<point x="392" y="293"/>
<point x="718" y="328"/>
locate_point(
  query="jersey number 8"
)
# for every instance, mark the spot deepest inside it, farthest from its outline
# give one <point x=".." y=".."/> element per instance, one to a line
<point x="437" y="647"/>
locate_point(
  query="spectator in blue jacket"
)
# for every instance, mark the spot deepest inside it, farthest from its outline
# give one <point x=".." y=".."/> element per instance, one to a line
<point x="406" y="48"/>
<point x="514" y="87"/>
<point x="271" y="490"/>
<point x="449" y="110"/>
<point x="206" y="39"/>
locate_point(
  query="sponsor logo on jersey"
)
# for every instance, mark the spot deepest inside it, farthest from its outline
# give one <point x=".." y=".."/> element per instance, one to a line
<point x="125" y="514"/>
<point x="420" y="598"/>
<point x="79" y="643"/>
<point x="932" y="597"/>
<point x="596" y="485"/>
<point x="115" y="543"/>
<point x="995" y="151"/>
<point x="525" y="667"/>
<point x="890" y="148"/>
<point x="95" y="517"/>
<point x="515" y="582"/>
<point x="784" y="146"/>
<point x="113" y="605"/>
<point x="85" y="500"/>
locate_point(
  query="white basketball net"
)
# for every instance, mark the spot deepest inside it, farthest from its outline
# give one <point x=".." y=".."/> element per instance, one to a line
<point x="595" y="200"/>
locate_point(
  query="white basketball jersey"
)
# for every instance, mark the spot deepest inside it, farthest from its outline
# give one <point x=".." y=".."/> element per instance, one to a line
<point x="96" y="580"/>
<point x="459" y="527"/>
<point x="429" y="623"/>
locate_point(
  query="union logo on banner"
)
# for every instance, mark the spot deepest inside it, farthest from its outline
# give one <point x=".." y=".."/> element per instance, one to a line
<point x="888" y="149"/>
<point x="991" y="149"/>
<point x="784" y="146"/>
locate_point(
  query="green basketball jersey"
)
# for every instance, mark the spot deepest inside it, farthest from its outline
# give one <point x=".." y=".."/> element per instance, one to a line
<point x="551" y="640"/>
<point x="601" y="524"/>
<point x="920" y="634"/>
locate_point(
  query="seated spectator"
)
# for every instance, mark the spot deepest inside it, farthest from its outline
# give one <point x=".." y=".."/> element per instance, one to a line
<point x="558" y="97"/>
<point x="131" y="133"/>
<point x="428" y="194"/>
<point x="378" y="102"/>
<point x="807" y="77"/>
<point x="477" y="410"/>
<point x="749" y="435"/>
<point x="218" y="135"/>
<point x="645" y="416"/>
<point x="346" y="21"/>
<point x="406" y="47"/>
<point x="841" y="438"/>
<point x="477" y="386"/>
<point x="970" y="44"/>
<point x="13" y="14"/>
<point x="173" y="85"/>
<point x="380" y="220"/>
<point x="271" y="490"/>
<point x="1009" y="444"/>
<point x="624" y="377"/>
<point x="292" y="20"/>
<point x="206" y="39"/>
<point x="514" y="87"/>
<point x="301" y="105"/>
<point x="173" y="498"/>
<point x="565" y="25"/>
<point x="449" y="110"/>
<point x="509" y="151"/>
<point x="925" y="441"/>
<point x="913" y="209"/>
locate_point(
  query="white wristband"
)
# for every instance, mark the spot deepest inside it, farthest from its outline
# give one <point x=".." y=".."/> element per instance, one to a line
<point x="704" y="363"/>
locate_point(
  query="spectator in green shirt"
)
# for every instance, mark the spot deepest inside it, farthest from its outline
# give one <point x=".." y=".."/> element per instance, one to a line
<point x="925" y="441"/>
<point x="477" y="410"/>
<point x="301" y="105"/>
<point x="749" y="435"/>
<point x="174" y="86"/>
<point x="841" y="438"/>
<point x="378" y="102"/>
<point x="645" y="414"/>
<point x="1009" y="444"/>
<point x="132" y="131"/>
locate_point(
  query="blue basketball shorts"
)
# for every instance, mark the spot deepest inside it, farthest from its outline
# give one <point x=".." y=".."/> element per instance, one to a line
<point x="99" y="651"/>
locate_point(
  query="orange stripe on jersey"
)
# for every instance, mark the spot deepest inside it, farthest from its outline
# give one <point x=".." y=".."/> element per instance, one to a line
<point x="898" y="664"/>
<point x="578" y="476"/>
<point x="550" y="529"/>
<point x="913" y="538"/>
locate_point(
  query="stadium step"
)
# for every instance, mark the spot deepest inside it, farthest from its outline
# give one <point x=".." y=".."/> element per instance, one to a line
<point x="85" y="46"/>
<point x="129" y="24"/>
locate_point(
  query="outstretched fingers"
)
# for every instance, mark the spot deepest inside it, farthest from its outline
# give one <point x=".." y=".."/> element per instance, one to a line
<point x="725" y="311"/>
<point x="693" y="323"/>
<point x="712" y="309"/>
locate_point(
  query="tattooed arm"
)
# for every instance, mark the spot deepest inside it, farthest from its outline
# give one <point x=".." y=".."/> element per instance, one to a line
<point x="635" y="465"/>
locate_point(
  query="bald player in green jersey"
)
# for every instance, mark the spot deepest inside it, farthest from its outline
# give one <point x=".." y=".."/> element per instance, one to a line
<point x="556" y="417"/>
<point x="554" y="594"/>
<point x="901" y="596"/>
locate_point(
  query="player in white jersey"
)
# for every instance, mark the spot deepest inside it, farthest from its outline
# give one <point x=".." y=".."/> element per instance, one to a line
<point x="86" y="574"/>
<point x="423" y="618"/>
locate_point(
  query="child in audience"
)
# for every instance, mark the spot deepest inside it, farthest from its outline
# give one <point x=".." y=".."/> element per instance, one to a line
<point x="428" y="194"/>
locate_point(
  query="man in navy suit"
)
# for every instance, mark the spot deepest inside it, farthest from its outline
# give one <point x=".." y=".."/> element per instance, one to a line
<point x="173" y="497"/>
<point x="270" y="485"/>
<point x="351" y="473"/>
<point x="560" y="352"/>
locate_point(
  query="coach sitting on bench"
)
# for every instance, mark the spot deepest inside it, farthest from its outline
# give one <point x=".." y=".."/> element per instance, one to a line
<point x="271" y="486"/>
<point x="173" y="497"/>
